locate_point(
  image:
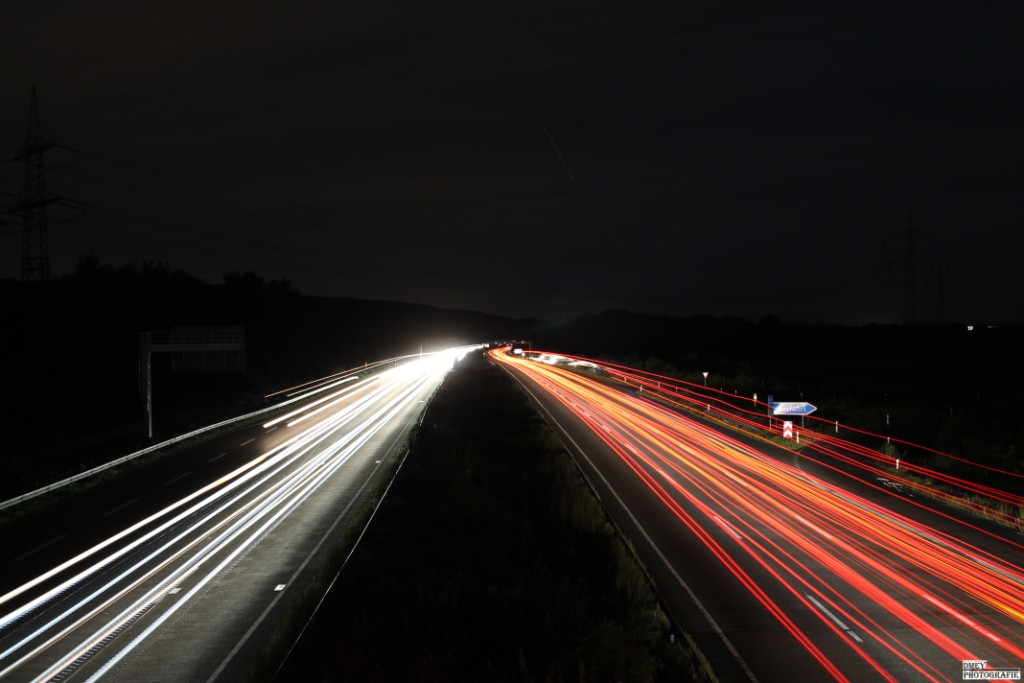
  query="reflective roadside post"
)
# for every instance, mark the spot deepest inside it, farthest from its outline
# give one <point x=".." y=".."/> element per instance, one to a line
<point x="705" y="379"/>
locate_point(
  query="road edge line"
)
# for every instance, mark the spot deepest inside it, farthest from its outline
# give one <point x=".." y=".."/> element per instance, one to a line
<point x="707" y="615"/>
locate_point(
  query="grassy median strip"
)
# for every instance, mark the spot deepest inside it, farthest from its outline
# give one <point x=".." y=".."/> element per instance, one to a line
<point x="489" y="560"/>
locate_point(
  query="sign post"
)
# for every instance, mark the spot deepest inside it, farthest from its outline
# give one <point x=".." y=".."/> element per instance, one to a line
<point x="192" y="349"/>
<point x="705" y="379"/>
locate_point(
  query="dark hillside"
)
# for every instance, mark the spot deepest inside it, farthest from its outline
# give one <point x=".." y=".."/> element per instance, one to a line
<point x="69" y="354"/>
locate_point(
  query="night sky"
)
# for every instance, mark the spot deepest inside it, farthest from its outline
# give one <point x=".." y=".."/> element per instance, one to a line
<point x="716" y="157"/>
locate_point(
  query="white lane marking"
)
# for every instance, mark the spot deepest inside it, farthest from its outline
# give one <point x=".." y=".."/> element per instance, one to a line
<point x="272" y="429"/>
<point x="216" y="457"/>
<point x="707" y="615"/>
<point x="246" y="443"/>
<point x="177" y="478"/>
<point x="727" y="527"/>
<point x="38" y="548"/>
<point x="834" y="618"/>
<point x="279" y="587"/>
<point x="120" y="507"/>
<point x="174" y="590"/>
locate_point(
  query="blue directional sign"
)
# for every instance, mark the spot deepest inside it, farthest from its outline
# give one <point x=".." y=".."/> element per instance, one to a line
<point x="793" y="409"/>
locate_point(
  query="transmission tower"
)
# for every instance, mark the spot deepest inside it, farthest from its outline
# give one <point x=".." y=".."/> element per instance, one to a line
<point x="32" y="201"/>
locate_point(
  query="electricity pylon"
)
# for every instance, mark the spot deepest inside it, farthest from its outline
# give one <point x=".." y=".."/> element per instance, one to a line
<point x="32" y="201"/>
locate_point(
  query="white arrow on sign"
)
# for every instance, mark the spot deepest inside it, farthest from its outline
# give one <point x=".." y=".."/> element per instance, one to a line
<point x="793" y="409"/>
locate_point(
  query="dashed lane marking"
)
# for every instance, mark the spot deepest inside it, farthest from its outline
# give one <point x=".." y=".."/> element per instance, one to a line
<point x="177" y="478"/>
<point x="120" y="507"/>
<point x="834" y="618"/>
<point x="38" y="548"/>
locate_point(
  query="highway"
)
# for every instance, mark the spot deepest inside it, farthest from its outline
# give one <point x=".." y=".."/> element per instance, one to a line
<point x="181" y="569"/>
<point x="781" y="568"/>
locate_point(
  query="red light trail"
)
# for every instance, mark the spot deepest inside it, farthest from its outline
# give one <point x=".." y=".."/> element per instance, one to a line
<point x="902" y="595"/>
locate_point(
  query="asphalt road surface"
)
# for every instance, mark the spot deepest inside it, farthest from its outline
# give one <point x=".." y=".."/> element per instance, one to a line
<point x="180" y="570"/>
<point x="780" y="568"/>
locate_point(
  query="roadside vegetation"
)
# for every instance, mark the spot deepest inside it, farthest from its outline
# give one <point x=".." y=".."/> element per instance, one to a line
<point x="956" y="389"/>
<point x="491" y="559"/>
<point x="1011" y="516"/>
<point x="1005" y="514"/>
<point x="987" y="431"/>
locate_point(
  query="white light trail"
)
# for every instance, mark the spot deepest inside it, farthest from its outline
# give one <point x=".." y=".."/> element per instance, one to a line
<point x="246" y="503"/>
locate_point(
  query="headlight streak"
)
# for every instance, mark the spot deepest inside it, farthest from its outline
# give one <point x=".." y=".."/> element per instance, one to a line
<point x="361" y="402"/>
<point x="283" y="496"/>
<point x="192" y="529"/>
<point x="343" y="392"/>
<point x="394" y="407"/>
<point x="316" y="390"/>
<point x="779" y="516"/>
<point x="299" y="486"/>
<point x="292" y="447"/>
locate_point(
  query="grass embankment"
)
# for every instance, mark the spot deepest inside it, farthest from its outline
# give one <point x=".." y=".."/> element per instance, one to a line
<point x="1005" y="514"/>
<point x="490" y="560"/>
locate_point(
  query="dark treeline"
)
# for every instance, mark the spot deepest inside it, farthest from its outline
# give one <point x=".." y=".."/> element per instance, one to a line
<point x="70" y="354"/>
<point x="949" y="387"/>
<point x="69" y="360"/>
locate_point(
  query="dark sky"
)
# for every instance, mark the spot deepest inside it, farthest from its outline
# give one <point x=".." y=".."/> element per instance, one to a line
<point x="730" y="158"/>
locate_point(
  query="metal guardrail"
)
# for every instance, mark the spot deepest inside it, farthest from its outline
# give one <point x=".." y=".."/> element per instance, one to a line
<point x="131" y="456"/>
